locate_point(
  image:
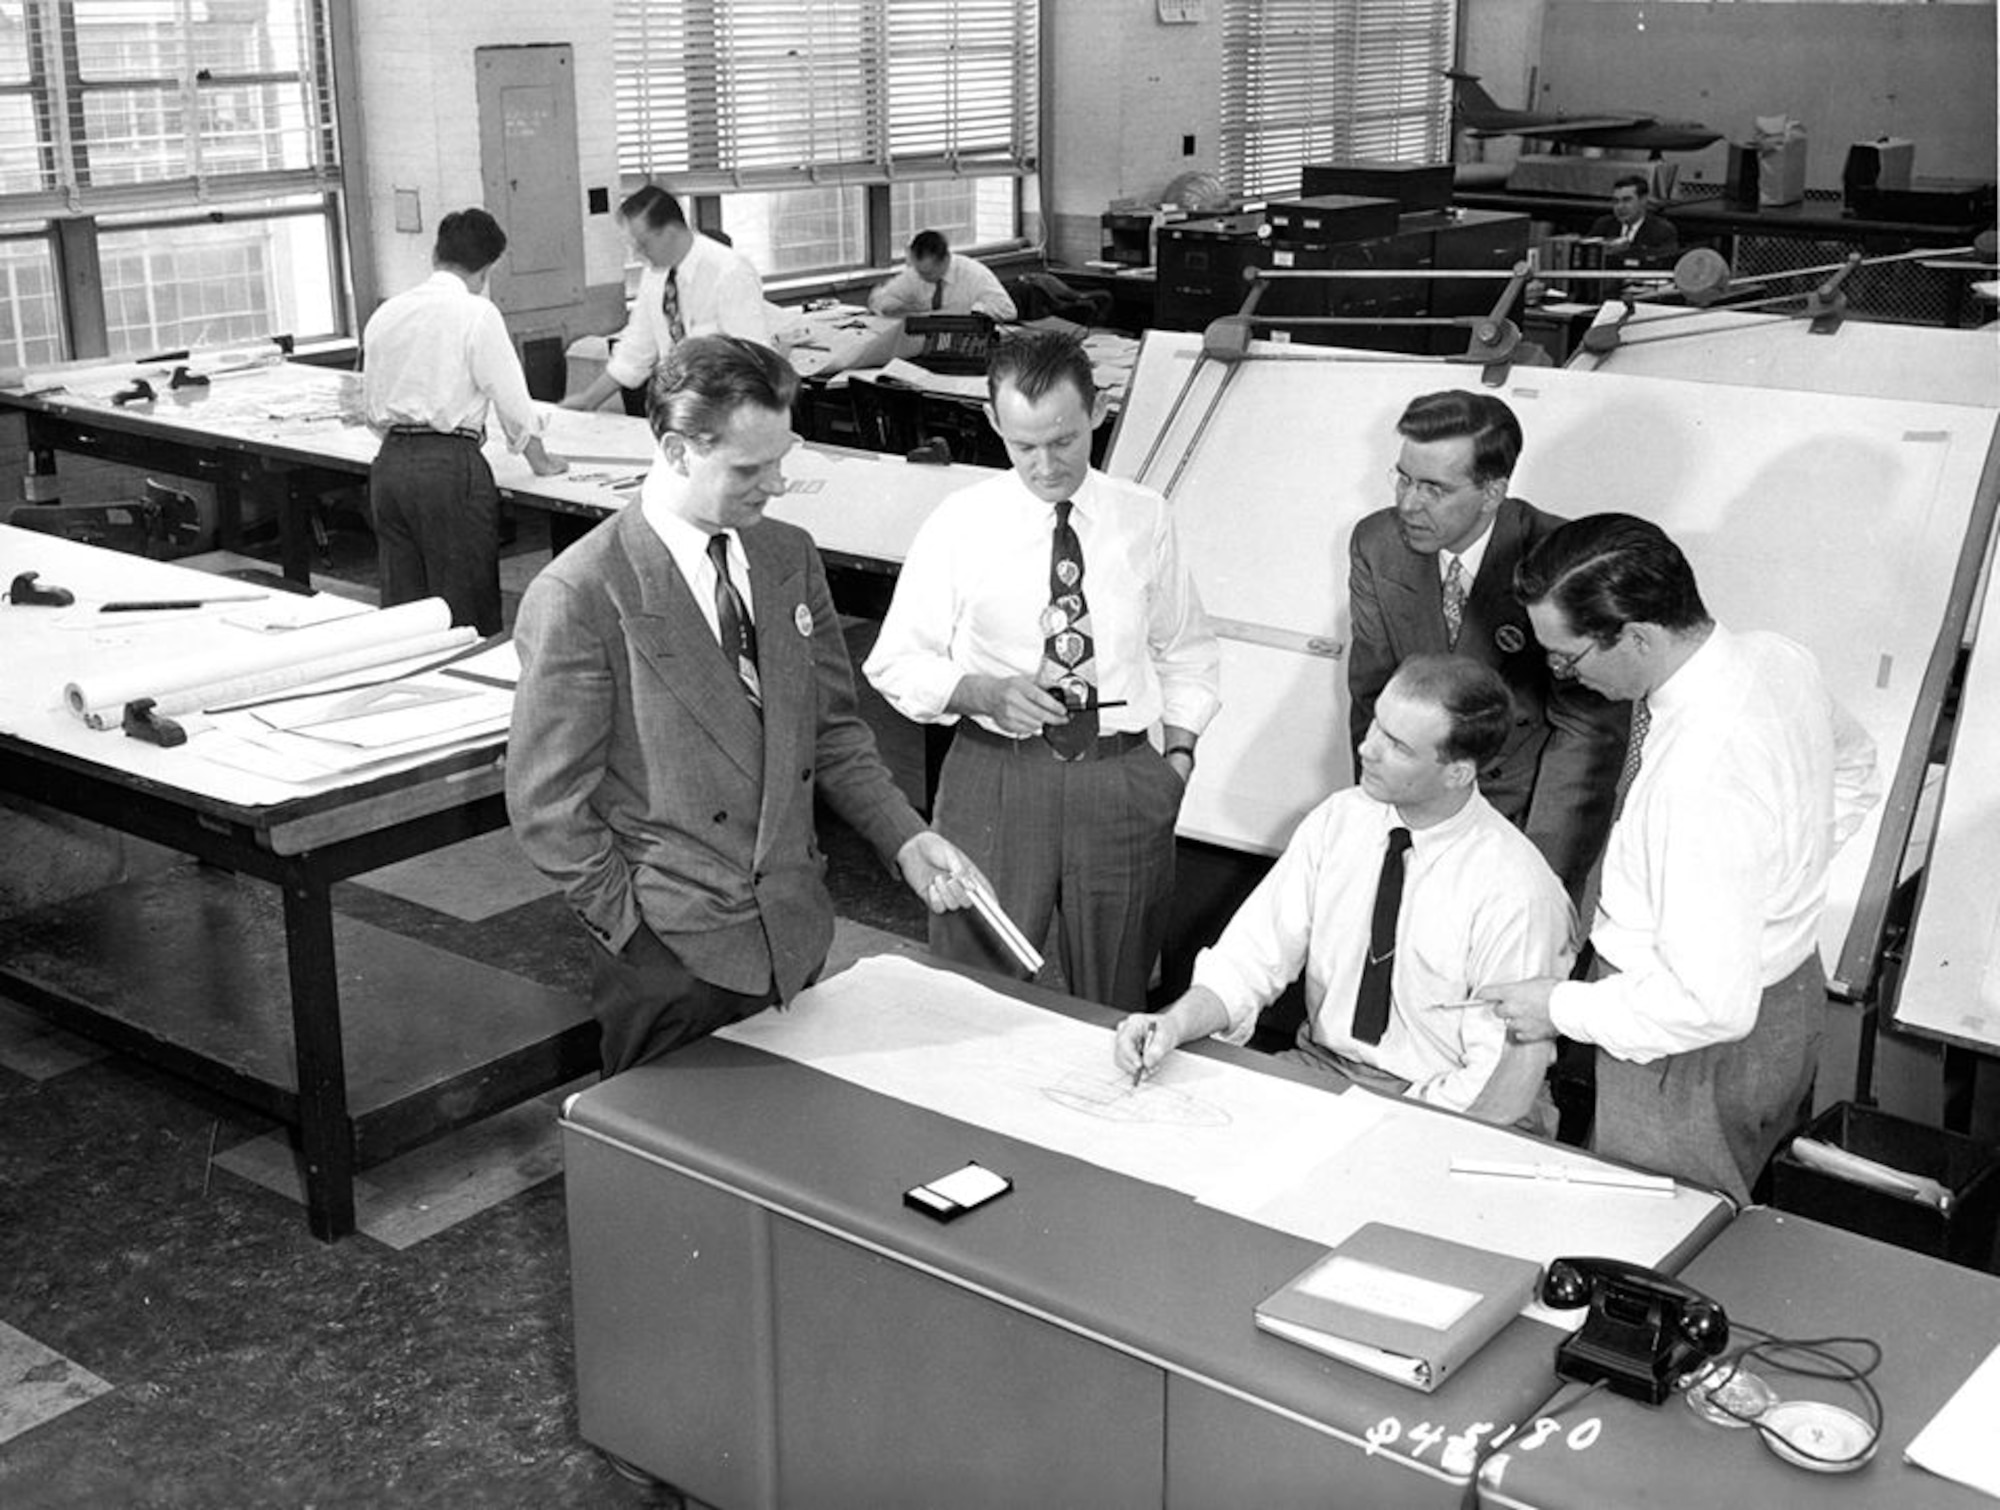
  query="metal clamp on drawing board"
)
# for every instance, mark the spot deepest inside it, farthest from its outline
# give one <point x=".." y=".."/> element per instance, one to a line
<point x="28" y="591"/>
<point x="142" y="722"/>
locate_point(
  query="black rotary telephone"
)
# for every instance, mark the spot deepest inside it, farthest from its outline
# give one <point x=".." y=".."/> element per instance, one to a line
<point x="1644" y="1332"/>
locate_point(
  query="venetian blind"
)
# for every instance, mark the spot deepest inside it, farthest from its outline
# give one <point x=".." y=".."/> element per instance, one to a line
<point x="146" y="104"/>
<point x="722" y="94"/>
<point x="1307" y="81"/>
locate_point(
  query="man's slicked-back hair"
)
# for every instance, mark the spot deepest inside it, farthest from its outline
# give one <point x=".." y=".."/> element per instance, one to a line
<point x="704" y="380"/>
<point x="1605" y="571"/>
<point x="470" y="240"/>
<point x="652" y="205"/>
<point x="1474" y="699"/>
<point x="1039" y="361"/>
<point x="1496" y="434"/>
<point x="929" y="246"/>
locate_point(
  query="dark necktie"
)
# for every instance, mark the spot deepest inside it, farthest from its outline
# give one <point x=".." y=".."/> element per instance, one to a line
<point x="1454" y="599"/>
<point x="1642" y="720"/>
<point x="1069" y="656"/>
<point x="733" y="627"/>
<point x="937" y="294"/>
<point x="1371" y="1001"/>
<point x="670" y="306"/>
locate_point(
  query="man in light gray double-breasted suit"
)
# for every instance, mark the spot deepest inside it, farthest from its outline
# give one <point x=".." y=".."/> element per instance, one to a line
<point x="684" y="696"/>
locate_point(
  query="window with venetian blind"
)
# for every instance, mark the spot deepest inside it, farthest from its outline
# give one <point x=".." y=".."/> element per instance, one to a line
<point x="829" y="130"/>
<point x="1308" y="81"/>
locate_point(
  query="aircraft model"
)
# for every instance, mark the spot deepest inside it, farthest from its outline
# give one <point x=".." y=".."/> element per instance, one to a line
<point x="1480" y="115"/>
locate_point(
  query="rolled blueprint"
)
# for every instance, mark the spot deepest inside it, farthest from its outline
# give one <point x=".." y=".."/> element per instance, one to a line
<point x="268" y="665"/>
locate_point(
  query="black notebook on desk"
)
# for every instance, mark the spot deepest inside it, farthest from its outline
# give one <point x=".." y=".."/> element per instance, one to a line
<point x="1402" y="1304"/>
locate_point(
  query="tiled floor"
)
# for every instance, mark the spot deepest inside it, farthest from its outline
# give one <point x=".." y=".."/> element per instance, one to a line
<point x="171" y="1335"/>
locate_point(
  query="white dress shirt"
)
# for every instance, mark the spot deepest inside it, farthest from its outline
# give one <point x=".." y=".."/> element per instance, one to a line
<point x="1480" y="907"/>
<point x="1751" y="776"/>
<point x="970" y="597"/>
<point x="438" y="355"/>
<point x="720" y="294"/>
<point x="969" y="288"/>
<point x="688" y="545"/>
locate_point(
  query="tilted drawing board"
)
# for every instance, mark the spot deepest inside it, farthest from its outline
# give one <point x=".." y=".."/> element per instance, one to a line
<point x="1840" y="522"/>
<point x="1951" y="982"/>
<point x="1862" y="358"/>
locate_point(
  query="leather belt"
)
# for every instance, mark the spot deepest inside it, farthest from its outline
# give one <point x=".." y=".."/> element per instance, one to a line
<point x="462" y="432"/>
<point x="1107" y="747"/>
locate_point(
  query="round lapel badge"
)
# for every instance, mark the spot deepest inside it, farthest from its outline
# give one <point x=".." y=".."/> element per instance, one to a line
<point x="1509" y="638"/>
<point x="803" y="619"/>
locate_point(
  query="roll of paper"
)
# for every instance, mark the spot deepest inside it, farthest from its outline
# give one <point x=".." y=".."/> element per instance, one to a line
<point x="265" y="666"/>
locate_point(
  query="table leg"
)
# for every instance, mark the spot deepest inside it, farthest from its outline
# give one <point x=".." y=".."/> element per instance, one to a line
<point x="40" y="484"/>
<point x="326" y="1134"/>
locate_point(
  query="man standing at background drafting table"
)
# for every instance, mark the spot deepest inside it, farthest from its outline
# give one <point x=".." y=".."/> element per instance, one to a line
<point x="1744" y="777"/>
<point x="684" y="695"/>
<point x="1468" y="902"/>
<point x="692" y="285"/>
<point x="1048" y="614"/>
<point x="434" y="359"/>
<point x="1435" y="573"/>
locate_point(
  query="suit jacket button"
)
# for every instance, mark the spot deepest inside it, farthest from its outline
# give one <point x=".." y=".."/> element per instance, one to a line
<point x="806" y="774"/>
<point x="721" y="817"/>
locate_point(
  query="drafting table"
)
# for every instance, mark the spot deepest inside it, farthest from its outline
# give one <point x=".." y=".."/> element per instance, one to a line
<point x="1793" y="1276"/>
<point x="761" y="1321"/>
<point x="1855" y="526"/>
<point x="237" y="974"/>
<point x="1753" y="349"/>
<point x="276" y="434"/>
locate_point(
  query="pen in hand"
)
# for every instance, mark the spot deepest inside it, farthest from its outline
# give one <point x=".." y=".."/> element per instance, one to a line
<point x="1146" y="1031"/>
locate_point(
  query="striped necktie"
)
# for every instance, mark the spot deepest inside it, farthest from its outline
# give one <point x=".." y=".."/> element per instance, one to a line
<point x="733" y="627"/>
<point x="670" y="306"/>
<point x="1454" y="599"/>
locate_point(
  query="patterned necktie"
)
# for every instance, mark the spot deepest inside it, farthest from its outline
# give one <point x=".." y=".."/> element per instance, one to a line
<point x="1454" y="599"/>
<point x="1642" y="720"/>
<point x="670" y="306"/>
<point x="737" y="634"/>
<point x="1371" y="1000"/>
<point x="1069" y="656"/>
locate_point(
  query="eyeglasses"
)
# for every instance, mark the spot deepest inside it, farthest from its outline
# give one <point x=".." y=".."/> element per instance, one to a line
<point x="1427" y="492"/>
<point x="1563" y="667"/>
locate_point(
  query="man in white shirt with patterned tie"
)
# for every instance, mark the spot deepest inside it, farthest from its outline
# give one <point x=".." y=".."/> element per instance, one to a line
<point x="1048" y="614"/>
<point x="692" y="285"/>
<point x="1746" y="776"/>
<point x="1472" y="904"/>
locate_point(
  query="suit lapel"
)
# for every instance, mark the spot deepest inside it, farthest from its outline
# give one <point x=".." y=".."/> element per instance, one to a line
<point x="668" y="630"/>
<point x="1419" y="600"/>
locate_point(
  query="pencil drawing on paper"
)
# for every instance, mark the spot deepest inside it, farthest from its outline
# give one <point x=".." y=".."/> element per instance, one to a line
<point x="1115" y="1099"/>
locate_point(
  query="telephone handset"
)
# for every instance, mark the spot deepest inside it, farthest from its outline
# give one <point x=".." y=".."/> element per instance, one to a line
<point x="1644" y="1332"/>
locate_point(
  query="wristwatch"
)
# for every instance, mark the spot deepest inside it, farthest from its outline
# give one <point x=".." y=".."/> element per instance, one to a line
<point x="1187" y="750"/>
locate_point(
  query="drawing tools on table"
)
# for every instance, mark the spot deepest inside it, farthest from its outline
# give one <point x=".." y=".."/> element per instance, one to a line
<point x="1566" y="1174"/>
<point x="1004" y="929"/>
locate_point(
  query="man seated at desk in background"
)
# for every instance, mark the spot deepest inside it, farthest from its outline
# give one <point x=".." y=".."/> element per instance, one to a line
<point x="1706" y="997"/>
<point x="936" y="281"/>
<point x="1636" y="235"/>
<point x="684" y="694"/>
<point x="692" y="285"/>
<point x="1435" y="573"/>
<point x="1403" y="898"/>
<point x="1049" y="615"/>
<point x="435" y="359"/>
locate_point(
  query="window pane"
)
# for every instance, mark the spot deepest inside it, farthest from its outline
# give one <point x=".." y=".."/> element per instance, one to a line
<point x="969" y="211"/>
<point x="135" y="136"/>
<point x="798" y="230"/>
<point x="13" y="42"/>
<point x="30" y="330"/>
<point x="167" y="287"/>
<point x="20" y="156"/>
<point x="152" y="39"/>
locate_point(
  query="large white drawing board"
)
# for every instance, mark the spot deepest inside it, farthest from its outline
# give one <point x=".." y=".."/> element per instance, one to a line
<point x="1951" y="982"/>
<point x="1838" y="521"/>
<point x="1862" y="358"/>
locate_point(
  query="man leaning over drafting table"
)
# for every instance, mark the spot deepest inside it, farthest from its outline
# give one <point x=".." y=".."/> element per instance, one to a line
<point x="434" y="359"/>
<point x="1403" y="898"/>
<point x="684" y="694"/>
<point x="938" y="281"/>
<point x="1707" y="997"/>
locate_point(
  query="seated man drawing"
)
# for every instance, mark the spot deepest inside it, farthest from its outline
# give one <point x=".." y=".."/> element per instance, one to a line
<point x="1402" y="898"/>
